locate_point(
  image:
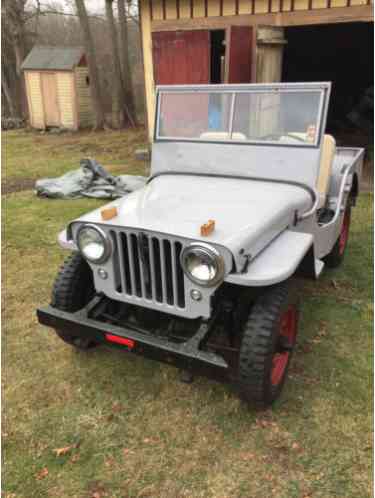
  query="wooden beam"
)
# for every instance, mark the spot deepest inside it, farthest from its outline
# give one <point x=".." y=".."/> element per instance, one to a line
<point x="76" y="102"/>
<point x="358" y="13"/>
<point x="28" y="95"/>
<point x="164" y="9"/>
<point x="43" y="104"/>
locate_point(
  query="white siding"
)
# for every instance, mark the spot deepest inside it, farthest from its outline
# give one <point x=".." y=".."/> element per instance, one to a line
<point x="84" y="103"/>
<point x="65" y="89"/>
<point x="35" y="99"/>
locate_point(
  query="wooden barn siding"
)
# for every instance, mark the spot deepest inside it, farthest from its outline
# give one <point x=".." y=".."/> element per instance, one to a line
<point x="172" y="15"/>
<point x="66" y="99"/>
<point x="84" y="105"/>
<point x="34" y="93"/>
<point x="164" y="10"/>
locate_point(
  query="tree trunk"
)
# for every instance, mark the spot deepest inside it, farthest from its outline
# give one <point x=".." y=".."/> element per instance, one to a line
<point x="19" y="51"/>
<point x="117" y="94"/>
<point x="93" y="68"/>
<point x="125" y="66"/>
<point x="8" y="96"/>
<point x="15" y="35"/>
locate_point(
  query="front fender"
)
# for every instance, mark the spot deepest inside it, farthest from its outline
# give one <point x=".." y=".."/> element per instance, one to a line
<point x="277" y="262"/>
<point x="65" y="242"/>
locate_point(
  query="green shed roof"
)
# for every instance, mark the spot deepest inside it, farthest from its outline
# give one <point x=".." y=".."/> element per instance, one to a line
<point x="53" y="58"/>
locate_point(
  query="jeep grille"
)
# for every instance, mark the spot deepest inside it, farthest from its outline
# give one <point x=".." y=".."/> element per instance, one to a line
<point x="148" y="267"/>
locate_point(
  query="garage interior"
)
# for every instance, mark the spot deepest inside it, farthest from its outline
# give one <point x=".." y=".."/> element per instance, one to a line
<point x="343" y="54"/>
<point x="217" y="38"/>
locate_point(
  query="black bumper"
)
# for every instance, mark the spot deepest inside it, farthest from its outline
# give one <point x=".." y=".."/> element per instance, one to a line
<point x="186" y="355"/>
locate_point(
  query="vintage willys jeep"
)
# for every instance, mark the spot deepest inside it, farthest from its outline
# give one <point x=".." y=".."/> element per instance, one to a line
<point x="195" y="269"/>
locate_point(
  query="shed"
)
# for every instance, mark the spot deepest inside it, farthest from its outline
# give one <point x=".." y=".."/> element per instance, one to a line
<point x="259" y="41"/>
<point x="58" y="88"/>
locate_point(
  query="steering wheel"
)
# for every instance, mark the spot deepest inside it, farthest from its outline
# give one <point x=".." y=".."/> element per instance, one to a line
<point x="276" y="136"/>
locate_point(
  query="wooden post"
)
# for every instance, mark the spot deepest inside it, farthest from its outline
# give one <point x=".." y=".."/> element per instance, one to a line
<point x="270" y="47"/>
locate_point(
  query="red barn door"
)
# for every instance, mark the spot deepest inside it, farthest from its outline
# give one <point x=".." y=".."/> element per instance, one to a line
<point x="239" y="57"/>
<point x="181" y="57"/>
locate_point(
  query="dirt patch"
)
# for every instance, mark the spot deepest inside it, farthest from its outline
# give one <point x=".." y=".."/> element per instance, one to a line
<point x="17" y="185"/>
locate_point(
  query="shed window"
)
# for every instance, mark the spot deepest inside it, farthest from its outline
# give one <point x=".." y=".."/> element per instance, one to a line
<point x="87" y="80"/>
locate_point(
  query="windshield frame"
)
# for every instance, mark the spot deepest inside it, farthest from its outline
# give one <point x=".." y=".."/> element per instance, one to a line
<point x="321" y="87"/>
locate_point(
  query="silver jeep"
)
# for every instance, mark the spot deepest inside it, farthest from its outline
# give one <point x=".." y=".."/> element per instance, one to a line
<point x="197" y="268"/>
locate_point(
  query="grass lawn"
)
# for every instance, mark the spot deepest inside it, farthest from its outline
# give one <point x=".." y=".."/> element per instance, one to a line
<point x="127" y="427"/>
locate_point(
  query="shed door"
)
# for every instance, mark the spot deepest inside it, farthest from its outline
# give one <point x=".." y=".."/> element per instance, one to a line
<point x="181" y="57"/>
<point x="50" y="102"/>
<point x="240" y="55"/>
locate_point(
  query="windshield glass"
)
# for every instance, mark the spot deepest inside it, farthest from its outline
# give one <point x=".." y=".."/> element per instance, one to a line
<point x="289" y="117"/>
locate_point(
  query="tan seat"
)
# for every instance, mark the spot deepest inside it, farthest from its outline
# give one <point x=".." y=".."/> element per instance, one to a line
<point x="222" y="135"/>
<point x="325" y="170"/>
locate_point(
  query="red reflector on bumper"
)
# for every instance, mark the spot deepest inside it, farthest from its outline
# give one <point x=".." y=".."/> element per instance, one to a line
<point x="120" y="340"/>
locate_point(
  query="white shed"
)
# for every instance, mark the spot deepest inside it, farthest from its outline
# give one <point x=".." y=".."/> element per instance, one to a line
<point x="58" y="88"/>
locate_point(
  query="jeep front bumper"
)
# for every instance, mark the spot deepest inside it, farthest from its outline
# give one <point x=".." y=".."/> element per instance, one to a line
<point x="186" y="355"/>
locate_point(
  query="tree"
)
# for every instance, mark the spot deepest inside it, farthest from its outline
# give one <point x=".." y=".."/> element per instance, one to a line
<point x="125" y="66"/>
<point x="92" y="65"/>
<point x="5" y="88"/>
<point x="117" y="93"/>
<point x="14" y="39"/>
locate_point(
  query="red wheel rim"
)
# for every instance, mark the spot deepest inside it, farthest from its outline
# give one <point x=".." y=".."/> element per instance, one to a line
<point x="344" y="234"/>
<point x="287" y="332"/>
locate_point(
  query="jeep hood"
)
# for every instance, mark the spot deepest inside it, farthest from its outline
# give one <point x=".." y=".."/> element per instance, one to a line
<point x="248" y="214"/>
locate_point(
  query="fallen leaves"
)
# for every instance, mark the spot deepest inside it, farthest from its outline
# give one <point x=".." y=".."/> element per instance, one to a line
<point x="117" y="407"/>
<point x="297" y="447"/>
<point x="63" y="451"/>
<point x="264" y="423"/>
<point x="322" y="332"/>
<point x="150" y="440"/>
<point x="247" y="456"/>
<point x="42" y="474"/>
<point x="335" y="284"/>
<point x="97" y="490"/>
<point x="74" y="458"/>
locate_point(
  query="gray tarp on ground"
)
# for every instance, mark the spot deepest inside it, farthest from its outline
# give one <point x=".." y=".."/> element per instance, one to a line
<point x="90" y="180"/>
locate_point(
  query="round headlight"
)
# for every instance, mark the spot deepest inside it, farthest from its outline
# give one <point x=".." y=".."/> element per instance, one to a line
<point x="93" y="244"/>
<point x="202" y="264"/>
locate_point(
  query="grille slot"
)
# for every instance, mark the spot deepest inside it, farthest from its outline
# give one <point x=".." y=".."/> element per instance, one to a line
<point x="148" y="267"/>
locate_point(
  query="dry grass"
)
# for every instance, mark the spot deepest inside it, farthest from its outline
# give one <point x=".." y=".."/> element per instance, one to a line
<point x="131" y="428"/>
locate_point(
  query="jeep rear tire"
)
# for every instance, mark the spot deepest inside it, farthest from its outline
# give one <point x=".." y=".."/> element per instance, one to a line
<point x="72" y="290"/>
<point x="336" y="256"/>
<point x="269" y="337"/>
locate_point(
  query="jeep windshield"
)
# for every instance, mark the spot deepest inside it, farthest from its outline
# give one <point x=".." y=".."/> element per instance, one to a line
<point x="280" y="115"/>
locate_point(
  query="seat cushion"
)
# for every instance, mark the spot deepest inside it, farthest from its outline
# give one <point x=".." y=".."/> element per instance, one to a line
<point x="325" y="170"/>
<point x="222" y="135"/>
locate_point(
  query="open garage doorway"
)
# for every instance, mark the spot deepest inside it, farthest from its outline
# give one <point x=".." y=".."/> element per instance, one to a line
<point x="343" y="54"/>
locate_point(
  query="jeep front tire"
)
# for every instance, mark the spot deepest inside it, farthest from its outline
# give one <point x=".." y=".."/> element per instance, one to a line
<point x="72" y="290"/>
<point x="269" y="337"/>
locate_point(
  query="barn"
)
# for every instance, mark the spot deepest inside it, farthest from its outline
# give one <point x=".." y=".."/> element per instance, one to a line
<point x="240" y="41"/>
<point x="58" y="88"/>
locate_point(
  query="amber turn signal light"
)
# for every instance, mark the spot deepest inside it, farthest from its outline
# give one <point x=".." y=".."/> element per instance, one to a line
<point x="207" y="228"/>
<point x="108" y="213"/>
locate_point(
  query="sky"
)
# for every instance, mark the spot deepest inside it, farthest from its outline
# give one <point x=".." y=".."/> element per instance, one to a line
<point x="94" y="7"/>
